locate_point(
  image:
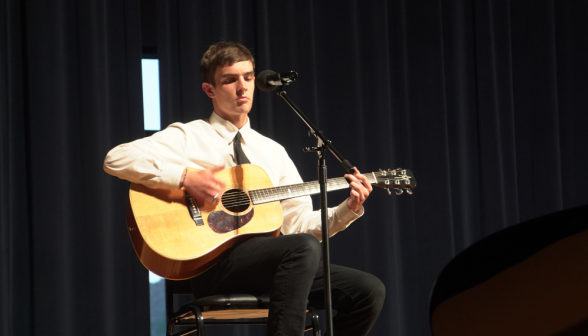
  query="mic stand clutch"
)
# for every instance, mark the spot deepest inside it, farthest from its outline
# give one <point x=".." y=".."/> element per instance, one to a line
<point x="323" y="144"/>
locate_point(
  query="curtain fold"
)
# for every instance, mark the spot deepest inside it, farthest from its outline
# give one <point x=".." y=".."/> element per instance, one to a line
<point x="70" y="90"/>
<point x="16" y="297"/>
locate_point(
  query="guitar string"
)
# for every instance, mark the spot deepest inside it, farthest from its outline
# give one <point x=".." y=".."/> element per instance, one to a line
<point x="256" y="196"/>
<point x="302" y="188"/>
<point x="277" y="193"/>
<point x="239" y="199"/>
<point x="294" y="190"/>
<point x="308" y="186"/>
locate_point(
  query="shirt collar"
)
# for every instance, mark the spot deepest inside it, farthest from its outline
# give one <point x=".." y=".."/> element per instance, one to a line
<point x="227" y="130"/>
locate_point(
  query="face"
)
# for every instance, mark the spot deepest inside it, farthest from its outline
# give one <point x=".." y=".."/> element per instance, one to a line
<point x="232" y="96"/>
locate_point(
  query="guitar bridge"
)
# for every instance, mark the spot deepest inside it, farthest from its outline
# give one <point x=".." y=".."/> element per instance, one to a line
<point x="193" y="209"/>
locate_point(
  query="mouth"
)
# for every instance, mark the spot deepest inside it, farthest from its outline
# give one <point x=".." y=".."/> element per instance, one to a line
<point x="243" y="99"/>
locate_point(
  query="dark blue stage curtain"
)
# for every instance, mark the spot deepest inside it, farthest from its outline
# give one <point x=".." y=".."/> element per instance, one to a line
<point x="486" y="101"/>
<point x="70" y="89"/>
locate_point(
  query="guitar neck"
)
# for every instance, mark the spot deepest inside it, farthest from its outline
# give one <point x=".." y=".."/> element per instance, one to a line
<point x="259" y="196"/>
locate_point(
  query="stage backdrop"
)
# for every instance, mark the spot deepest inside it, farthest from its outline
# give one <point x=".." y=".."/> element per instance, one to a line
<point x="485" y="101"/>
<point x="70" y="89"/>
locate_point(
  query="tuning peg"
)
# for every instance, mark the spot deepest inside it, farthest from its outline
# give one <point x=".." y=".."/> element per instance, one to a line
<point x="409" y="191"/>
<point x="389" y="191"/>
<point x="399" y="191"/>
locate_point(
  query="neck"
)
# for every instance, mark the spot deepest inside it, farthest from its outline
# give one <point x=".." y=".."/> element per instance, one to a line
<point x="239" y="123"/>
<point x="239" y="120"/>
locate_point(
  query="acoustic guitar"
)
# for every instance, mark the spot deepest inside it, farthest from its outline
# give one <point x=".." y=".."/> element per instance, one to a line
<point x="177" y="239"/>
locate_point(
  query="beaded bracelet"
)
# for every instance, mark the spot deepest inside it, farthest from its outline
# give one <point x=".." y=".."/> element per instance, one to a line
<point x="184" y="178"/>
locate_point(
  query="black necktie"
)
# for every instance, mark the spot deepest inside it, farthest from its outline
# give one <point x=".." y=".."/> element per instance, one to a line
<point x="239" y="155"/>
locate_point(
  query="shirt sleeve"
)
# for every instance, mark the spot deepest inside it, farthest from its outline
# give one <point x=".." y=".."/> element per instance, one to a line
<point x="299" y="216"/>
<point x="157" y="161"/>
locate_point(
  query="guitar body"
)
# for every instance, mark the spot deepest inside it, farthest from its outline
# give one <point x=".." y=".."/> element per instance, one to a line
<point x="172" y="244"/>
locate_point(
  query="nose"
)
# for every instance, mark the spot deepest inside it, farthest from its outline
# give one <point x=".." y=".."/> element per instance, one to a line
<point x="241" y="84"/>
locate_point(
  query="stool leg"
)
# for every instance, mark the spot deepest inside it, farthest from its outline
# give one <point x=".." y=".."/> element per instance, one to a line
<point x="316" y="327"/>
<point x="199" y="320"/>
<point x="170" y="326"/>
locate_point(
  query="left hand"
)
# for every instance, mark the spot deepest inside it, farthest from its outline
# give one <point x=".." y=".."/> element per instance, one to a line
<point x="359" y="190"/>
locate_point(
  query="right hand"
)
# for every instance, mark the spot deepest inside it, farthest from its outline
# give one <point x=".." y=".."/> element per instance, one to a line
<point x="203" y="185"/>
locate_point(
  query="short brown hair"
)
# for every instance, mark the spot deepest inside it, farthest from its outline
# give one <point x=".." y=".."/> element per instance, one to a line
<point x="222" y="54"/>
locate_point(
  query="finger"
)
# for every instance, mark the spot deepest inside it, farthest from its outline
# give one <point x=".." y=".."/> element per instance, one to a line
<point x="351" y="178"/>
<point x="359" y="187"/>
<point x="357" y="178"/>
<point x="198" y="195"/>
<point x="214" y="169"/>
<point x="210" y="196"/>
<point x="355" y="185"/>
<point x="366" y="184"/>
<point x="215" y="197"/>
<point x="360" y="192"/>
<point x="357" y="173"/>
<point x="364" y="193"/>
<point x="219" y="184"/>
<point x="364" y="179"/>
<point x="212" y="191"/>
<point x="355" y="199"/>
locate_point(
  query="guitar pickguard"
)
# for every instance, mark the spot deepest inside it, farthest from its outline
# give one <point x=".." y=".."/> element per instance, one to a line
<point x="222" y="222"/>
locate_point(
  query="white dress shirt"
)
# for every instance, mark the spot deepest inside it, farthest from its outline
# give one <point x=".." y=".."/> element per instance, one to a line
<point x="158" y="162"/>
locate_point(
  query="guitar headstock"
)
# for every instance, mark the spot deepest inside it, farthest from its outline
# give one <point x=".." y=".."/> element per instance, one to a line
<point x="399" y="179"/>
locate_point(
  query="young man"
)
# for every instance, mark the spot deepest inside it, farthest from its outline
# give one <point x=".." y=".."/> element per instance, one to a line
<point x="287" y="267"/>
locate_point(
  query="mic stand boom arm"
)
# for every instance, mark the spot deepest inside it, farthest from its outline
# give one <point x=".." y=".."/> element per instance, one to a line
<point x="323" y="143"/>
<point x="314" y="131"/>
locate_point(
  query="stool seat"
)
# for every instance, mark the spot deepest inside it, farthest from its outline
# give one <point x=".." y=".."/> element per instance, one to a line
<point x="230" y="306"/>
<point x="221" y="309"/>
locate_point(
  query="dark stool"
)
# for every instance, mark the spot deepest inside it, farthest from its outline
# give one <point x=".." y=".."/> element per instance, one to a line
<point x="219" y="310"/>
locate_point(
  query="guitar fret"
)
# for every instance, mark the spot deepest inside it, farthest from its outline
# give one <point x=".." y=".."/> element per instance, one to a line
<point x="302" y="189"/>
<point x="282" y="193"/>
<point x="268" y="195"/>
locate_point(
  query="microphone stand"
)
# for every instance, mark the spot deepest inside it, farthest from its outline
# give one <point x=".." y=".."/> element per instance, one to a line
<point x="320" y="149"/>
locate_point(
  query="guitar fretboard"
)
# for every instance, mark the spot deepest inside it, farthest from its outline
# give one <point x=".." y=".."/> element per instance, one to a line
<point x="259" y="196"/>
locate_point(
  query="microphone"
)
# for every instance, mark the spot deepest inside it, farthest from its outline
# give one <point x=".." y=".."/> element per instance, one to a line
<point x="268" y="80"/>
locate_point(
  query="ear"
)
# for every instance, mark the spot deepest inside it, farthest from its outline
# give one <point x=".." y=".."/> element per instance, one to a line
<point x="208" y="89"/>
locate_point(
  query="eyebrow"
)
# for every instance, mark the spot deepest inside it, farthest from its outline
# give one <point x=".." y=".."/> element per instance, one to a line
<point x="230" y="74"/>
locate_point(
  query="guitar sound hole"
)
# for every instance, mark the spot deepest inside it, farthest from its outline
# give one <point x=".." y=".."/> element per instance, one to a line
<point x="235" y="200"/>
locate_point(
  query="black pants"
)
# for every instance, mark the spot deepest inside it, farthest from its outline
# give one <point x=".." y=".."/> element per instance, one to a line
<point x="289" y="268"/>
